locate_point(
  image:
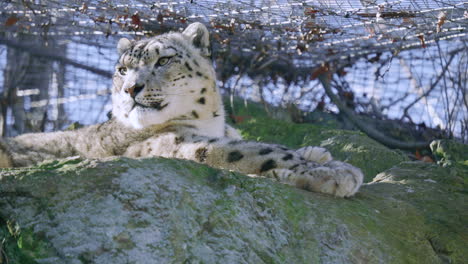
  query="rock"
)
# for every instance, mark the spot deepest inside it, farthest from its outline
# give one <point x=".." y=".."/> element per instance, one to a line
<point x="158" y="210"/>
<point x="440" y="195"/>
<point x="361" y="151"/>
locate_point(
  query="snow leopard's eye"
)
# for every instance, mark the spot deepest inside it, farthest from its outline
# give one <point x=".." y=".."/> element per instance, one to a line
<point x="162" y="61"/>
<point x="122" y="70"/>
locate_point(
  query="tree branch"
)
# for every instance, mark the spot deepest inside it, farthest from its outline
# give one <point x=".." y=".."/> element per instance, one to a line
<point x="370" y="131"/>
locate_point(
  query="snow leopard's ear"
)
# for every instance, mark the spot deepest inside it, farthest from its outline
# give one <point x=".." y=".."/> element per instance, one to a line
<point x="123" y="45"/>
<point x="199" y="36"/>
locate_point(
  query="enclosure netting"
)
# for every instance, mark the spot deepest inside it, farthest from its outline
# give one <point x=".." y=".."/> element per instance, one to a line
<point x="405" y="60"/>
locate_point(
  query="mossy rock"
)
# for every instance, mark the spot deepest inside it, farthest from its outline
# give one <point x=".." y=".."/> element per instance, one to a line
<point x="439" y="194"/>
<point x="361" y="151"/>
<point x="268" y="124"/>
<point x="174" y="211"/>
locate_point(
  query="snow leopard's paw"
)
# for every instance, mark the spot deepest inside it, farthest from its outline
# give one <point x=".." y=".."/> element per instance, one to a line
<point x="335" y="177"/>
<point x="315" y="154"/>
<point x="338" y="178"/>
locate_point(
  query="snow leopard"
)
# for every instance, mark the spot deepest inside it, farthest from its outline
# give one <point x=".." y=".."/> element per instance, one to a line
<point x="166" y="103"/>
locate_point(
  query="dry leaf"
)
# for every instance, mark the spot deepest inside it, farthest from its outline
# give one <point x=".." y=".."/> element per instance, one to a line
<point x="83" y="8"/>
<point x="423" y="42"/>
<point x="417" y="155"/>
<point x="427" y="159"/>
<point x="160" y="18"/>
<point x="319" y="71"/>
<point x="11" y="21"/>
<point x="441" y="20"/>
<point x="240" y="119"/>
<point x="136" y="20"/>
<point x="308" y="11"/>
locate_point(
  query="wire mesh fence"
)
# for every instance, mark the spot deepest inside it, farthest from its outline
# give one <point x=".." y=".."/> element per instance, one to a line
<point x="405" y="60"/>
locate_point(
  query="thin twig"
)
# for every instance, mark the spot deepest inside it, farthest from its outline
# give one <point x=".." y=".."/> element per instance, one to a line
<point x="432" y="87"/>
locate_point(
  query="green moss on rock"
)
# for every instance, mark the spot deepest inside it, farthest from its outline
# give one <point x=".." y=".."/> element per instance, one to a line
<point x="124" y="210"/>
<point x="361" y="151"/>
<point x="439" y="194"/>
<point x="256" y="124"/>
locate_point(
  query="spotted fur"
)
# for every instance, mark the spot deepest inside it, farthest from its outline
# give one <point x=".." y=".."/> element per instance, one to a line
<point x="166" y="103"/>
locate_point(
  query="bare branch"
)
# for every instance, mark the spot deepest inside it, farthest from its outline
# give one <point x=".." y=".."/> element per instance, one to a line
<point x="370" y="131"/>
<point x="428" y="91"/>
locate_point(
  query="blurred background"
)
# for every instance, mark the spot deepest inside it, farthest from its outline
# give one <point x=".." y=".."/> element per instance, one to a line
<point x="402" y="64"/>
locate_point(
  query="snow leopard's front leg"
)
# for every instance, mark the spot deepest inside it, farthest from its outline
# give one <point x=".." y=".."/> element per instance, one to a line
<point x="270" y="160"/>
<point x="30" y="149"/>
<point x="97" y="141"/>
<point x="5" y="157"/>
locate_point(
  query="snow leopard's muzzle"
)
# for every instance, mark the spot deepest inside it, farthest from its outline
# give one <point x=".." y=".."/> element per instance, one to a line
<point x="155" y="101"/>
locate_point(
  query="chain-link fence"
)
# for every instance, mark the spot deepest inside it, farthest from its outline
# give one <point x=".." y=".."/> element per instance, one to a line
<point x="404" y="60"/>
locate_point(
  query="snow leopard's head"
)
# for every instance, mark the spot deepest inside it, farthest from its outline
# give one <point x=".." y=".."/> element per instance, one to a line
<point x="165" y="78"/>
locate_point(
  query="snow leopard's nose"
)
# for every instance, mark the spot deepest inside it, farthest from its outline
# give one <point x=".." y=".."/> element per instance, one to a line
<point x="134" y="90"/>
